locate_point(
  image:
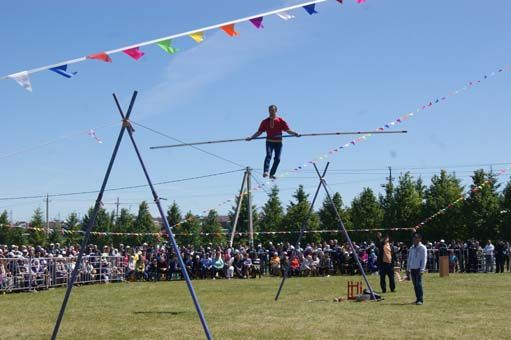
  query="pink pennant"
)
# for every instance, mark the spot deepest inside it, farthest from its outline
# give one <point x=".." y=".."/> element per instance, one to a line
<point x="134" y="52"/>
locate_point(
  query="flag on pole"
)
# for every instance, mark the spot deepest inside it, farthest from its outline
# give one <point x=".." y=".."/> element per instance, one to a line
<point x="62" y="70"/>
<point x="166" y="46"/>
<point x="197" y="36"/>
<point x="22" y="79"/>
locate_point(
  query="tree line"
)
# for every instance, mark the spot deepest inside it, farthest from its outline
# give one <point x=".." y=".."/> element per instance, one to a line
<point x="484" y="214"/>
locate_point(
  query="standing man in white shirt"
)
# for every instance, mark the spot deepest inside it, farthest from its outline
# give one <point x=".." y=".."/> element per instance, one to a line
<point x="417" y="259"/>
<point x="488" y="256"/>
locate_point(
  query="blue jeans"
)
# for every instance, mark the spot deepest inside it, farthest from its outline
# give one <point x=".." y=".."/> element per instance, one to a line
<point x="270" y="148"/>
<point x="417" y="284"/>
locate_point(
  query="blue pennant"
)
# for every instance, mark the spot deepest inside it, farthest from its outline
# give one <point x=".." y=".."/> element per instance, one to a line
<point x="62" y="70"/>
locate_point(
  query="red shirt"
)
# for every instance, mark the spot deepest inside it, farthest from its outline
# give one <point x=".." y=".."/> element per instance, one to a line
<point x="273" y="128"/>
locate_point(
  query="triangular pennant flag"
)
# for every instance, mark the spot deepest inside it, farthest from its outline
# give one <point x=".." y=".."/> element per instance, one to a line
<point x="311" y="9"/>
<point x="229" y="29"/>
<point x="62" y="70"/>
<point x="257" y="22"/>
<point x="100" y="56"/>
<point x="360" y="1"/>
<point x="166" y="46"/>
<point x="285" y="15"/>
<point x="92" y="134"/>
<point x="197" y="36"/>
<point x="22" y="79"/>
<point x="134" y="52"/>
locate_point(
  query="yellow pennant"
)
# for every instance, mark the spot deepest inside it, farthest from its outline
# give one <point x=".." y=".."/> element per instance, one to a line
<point x="197" y="36"/>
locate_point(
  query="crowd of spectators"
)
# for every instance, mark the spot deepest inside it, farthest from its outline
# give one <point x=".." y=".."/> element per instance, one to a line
<point x="30" y="268"/>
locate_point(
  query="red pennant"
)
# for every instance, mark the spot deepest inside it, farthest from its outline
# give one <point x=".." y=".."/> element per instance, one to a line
<point x="229" y="29"/>
<point x="100" y="56"/>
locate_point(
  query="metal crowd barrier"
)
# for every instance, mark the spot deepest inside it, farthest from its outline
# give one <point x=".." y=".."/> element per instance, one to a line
<point x="23" y="274"/>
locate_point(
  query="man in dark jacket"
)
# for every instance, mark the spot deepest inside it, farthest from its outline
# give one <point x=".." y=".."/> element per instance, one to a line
<point x="386" y="260"/>
<point x="500" y="256"/>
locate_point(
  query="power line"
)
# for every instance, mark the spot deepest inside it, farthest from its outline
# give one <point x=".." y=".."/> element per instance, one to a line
<point x="195" y="147"/>
<point x="119" y="188"/>
<point x="438" y="167"/>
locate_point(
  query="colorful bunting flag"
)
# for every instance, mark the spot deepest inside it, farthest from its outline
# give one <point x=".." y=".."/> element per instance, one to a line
<point x="22" y="79"/>
<point x="311" y="9"/>
<point x="134" y="52"/>
<point x="257" y="22"/>
<point x="285" y="15"/>
<point x="100" y="56"/>
<point x="62" y="70"/>
<point x="166" y="46"/>
<point x="229" y="29"/>
<point x="92" y="134"/>
<point x="197" y="36"/>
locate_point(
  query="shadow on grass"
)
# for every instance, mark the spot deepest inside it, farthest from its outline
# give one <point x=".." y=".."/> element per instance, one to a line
<point x="159" y="312"/>
<point x="399" y="304"/>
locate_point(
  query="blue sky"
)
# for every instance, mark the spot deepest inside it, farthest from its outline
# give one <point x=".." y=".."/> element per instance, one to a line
<point x="350" y="67"/>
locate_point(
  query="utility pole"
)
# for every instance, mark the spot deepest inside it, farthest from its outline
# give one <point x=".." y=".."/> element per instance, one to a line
<point x="117" y="208"/>
<point x="47" y="213"/>
<point x="390" y="176"/>
<point x="249" y="198"/>
<point x="238" y="209"/>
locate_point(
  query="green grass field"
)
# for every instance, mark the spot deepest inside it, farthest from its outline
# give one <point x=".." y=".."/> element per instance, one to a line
<point x="475" y="306"/>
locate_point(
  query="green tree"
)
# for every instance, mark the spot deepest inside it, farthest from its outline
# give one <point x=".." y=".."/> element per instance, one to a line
<point x="272" y="215"/>
<point x="102" y="224"/>
<point x="328" y="217"/>
<point x="408" y="201"/>
<point x="296" y="213"/>
<point x="5" y="229"/>
<point x="55" y="235"/>
<point x="123" y="224"/>
<point x="444" y="189"/>
<point x="482" y="209"/>
<point x="388" y="205"/>
<point x="72" y="225"/>
<point x="366" y="213"/>
<point x="243" y="225"/>
<point x="37" y="237"/>
<point x="144" y="223"/>
<point x="505" y="211"/>
<point x="174" y="214"/>
<point x="187" y="233"/>
<point x="211" y="226"/>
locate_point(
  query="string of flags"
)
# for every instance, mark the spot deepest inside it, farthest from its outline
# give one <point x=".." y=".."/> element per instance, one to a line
<point x="401" y="119"/>
<point x="163" y="234"/>
<point x="165" y="43"/>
